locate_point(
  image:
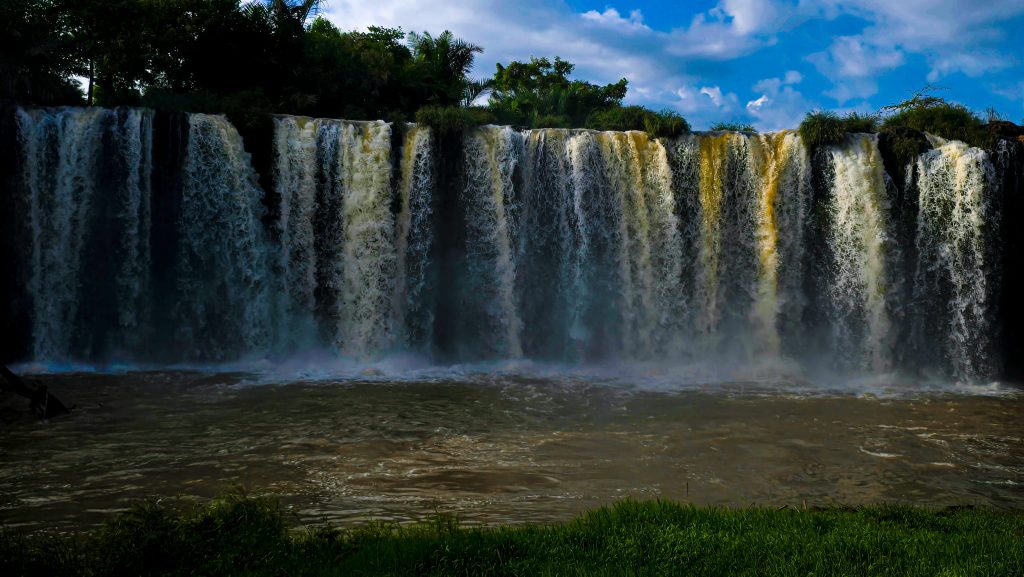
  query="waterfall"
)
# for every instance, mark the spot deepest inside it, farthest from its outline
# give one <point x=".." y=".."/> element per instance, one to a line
<point x="414" y="240"/>
<point x="223" y="303"/>
<point x="490" y="159"/>
<point x="86" y="176"/>
<point x="600" y="262"/>
<point x="569" y="246"/>
<point x="336" y="228"/>
<point x="745" y="199"/>
<point x="860" y="243"/>
<point x="951" y="287"/>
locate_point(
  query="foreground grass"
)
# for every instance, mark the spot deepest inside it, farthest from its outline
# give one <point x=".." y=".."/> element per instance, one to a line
<point x="237" y="535"/>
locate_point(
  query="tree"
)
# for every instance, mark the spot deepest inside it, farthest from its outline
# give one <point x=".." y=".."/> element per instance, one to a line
<point x="444" y="63"/>
<point x="525" y="92"/>
<point x="38" y="53"/>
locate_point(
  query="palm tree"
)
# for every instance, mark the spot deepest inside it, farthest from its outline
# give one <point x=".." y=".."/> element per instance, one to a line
<point x="447" y="61"/>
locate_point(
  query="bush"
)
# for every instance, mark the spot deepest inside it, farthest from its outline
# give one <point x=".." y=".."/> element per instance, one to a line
<point x="453" y="119"/>
<point x="950" y="121"/>
<point x="826" y="128"/>
<point x="856" y="122"/>
<point x="552" y="121"/>
<point x="656" y="124"/>
<point x="732" y="127"/>
<point x="821" y="128"/>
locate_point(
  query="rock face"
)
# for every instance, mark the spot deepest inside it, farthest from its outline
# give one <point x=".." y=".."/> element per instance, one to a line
<point x="876" y="254"/>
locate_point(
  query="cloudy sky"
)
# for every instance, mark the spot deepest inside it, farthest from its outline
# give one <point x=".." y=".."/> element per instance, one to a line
<point x="760" y="61"/>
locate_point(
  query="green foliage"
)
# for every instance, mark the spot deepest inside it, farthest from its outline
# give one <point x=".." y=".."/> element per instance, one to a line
<point x="237" y="535"/>
<point x="732" y="127"/>
<point x="453" y="119"/>
<point x="926" y="112"/>
<point x="821" y="128"/>
<point x="251" y="59"/>
<point x="38" y="53"/>
<point x="665" y="123"/>
<point x="952" y="121"/>
<point x="826" y="128"/>
<point x="444" y="61"/>
<point x="523" y="92"/>
<point x="855" y="122"/>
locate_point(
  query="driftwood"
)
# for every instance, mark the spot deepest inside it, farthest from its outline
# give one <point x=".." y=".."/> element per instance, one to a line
<point x="44" y="404"/>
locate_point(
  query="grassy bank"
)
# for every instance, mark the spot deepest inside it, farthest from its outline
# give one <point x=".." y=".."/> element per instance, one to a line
<point x="244" y="536"/>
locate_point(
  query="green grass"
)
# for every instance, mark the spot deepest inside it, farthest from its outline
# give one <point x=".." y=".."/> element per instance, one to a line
<point x="826" y="128"/>
<point x="666" y="123"/>
<point x="732" y="127"/>
<point x="237" y="535"/>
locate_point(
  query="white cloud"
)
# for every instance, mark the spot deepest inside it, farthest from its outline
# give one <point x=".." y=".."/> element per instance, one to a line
<point x="1011" y="92"/>
<point x="612" y="19"/>
<point x="735" y="28"/>
<point x="852" y="63"/>
<point x="780" y="104"/>
<point x="972" y="65"/>
<point x="755" y="106"/>
<point x="950" y="36"/>
<point x="724" y="101"/>
<point x="855" y="57"/>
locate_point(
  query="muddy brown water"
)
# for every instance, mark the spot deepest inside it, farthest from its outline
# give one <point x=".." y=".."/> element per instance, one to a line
<point x="507" y="449"/>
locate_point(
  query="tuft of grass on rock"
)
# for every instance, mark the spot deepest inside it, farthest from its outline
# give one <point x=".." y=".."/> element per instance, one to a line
<point x="821" y="128"/>
<point x="950" y="121"/>
<point x="238" y="535"/>
<point x="732" y="127"/>
<point x="855" y="122"/>
<point x="665" y="124"/>
<point x="826" y="128"/>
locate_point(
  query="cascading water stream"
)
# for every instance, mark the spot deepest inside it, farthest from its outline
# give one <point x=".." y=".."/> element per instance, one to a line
<point x="86" y="176"/>
<point x="861" y="248"/>
<point x="223" y="302"/>
<point x="952" y="293"/>
<point x="490" y="159"/>
<point x="336" y="228"/>
<point x="414" y="239"/>
<point x="549" y="244"/>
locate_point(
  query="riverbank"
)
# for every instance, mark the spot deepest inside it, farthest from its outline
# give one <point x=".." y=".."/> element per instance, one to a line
<point x="239" y="535"/>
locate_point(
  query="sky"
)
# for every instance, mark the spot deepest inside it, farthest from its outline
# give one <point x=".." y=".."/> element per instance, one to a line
<point x="762" y="62"/>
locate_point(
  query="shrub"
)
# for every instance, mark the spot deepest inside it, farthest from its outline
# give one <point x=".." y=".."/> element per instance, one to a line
<point x="453" y="119"/>
<point x="657" y="124"/>
<point x="856" y="122"/>
<point x="732" y="127"/>
<point x="821" y="128"/>
<point x="951" y="121"/>
<point x="552" y="121"/>
<point x="666" y="124"/>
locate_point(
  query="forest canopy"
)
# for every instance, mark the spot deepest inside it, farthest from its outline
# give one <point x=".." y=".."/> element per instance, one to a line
<point x="252" y="59"/>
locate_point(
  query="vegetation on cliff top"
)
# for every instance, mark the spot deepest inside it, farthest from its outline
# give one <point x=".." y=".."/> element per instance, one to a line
<point x="903" y="124"/>
<point x="251" y="59"/>
<point x="236" y="535"/>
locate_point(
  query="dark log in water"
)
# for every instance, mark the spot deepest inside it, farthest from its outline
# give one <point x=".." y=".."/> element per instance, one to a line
<point x="44" y="404"/>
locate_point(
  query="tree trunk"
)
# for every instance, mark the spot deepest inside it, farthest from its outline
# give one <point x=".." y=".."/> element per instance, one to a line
<point x="91" y="74"/>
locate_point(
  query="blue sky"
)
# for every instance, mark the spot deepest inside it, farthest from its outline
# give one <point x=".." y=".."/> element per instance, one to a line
<point x="765" y="62"/>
